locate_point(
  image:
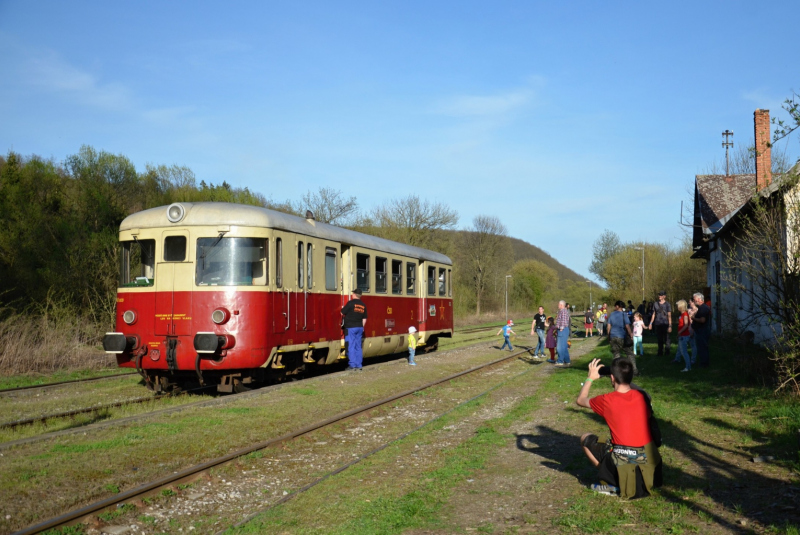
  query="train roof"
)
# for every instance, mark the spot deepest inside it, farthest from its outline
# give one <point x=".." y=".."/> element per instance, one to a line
<point x="244" y="215"/>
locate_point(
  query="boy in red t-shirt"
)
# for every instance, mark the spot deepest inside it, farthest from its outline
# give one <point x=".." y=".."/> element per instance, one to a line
<point x="630" y="461"/>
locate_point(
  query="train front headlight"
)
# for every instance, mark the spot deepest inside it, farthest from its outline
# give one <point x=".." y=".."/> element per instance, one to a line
<point x="175" y="212"/>
<point x="129" y="317"/>
<point x="220" y="316"/>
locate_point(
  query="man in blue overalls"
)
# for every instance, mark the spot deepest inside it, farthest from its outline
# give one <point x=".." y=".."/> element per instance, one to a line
<point x="355" y="318"/>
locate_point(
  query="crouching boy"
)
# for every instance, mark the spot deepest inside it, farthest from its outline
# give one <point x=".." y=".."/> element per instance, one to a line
<point x="630" y="464"/>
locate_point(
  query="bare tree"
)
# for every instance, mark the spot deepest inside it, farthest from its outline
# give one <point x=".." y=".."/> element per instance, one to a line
<point x="486" y="253"/>
<point x="412" y="220"/>
<point x="329" y="206"/>
<point x="743" y="162"/>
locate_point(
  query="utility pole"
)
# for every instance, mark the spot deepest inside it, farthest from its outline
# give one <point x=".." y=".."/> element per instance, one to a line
<point x="590" y="293"/>
<point x="727" y="144"/>
<point x="642" y="250"/>
<point x="507" y="277"/>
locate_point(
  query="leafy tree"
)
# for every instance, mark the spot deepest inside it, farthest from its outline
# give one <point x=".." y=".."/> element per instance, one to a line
<point x="606" y="246"/>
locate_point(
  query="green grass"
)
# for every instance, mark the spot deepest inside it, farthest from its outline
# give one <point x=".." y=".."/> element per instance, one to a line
<point x="18" y="381"/>
<point x="418" y="507"/>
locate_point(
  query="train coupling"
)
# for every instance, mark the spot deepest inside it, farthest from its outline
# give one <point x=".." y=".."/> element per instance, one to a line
<point x="118" y="343"/>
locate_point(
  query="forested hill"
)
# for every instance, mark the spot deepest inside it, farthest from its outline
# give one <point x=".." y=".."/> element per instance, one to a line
<point x="526" y="251"/>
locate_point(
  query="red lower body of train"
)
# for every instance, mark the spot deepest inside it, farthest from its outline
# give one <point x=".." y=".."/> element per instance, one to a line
<point x="235" y="338"/>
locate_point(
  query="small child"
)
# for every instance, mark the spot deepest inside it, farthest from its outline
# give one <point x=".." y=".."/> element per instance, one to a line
<point x="551" y="337"/>
<point x="506" y="330"/>
<point x="638" y="328"/>
<point x="588" y="322"/>
<point x="412" y="346"/>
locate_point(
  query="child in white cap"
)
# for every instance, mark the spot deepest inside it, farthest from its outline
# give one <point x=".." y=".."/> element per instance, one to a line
<point x="412" y="346"/>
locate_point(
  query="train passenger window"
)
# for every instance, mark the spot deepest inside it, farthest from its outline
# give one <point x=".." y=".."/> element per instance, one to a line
<point x="138" y="263"/>
<point x="309" y="267"/>
<point x="330" y="269"/>
<point x="231" y="261"/>
<point x="380" y="275"/>
<point x="174" y="248"/>
<point x="411" y="278"/>
<point x="300" y="280"/>
<point x="431" y="280"/>
<point x="442" y="282"/>
<point x="362" y="272"/>
<point x="278" y="262"/>
<point x="397" y="277"/>
<point x="449" y="283"/>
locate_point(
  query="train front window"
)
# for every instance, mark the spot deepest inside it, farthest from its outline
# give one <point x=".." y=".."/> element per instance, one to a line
<point x="231" y="261"/>
<point x="380" y="275"/>
<point x="362" y="272"/>
<point x="431" y="280"/>
<point x="174" y="248"/>
<point x="442" y="282"/>
<point x="397" y="277"/>
<point x="411" y="278"/>
<point x="138" y="263"/>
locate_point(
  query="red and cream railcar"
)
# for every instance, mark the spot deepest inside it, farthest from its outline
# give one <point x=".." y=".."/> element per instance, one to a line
<point x="232" y="294"/>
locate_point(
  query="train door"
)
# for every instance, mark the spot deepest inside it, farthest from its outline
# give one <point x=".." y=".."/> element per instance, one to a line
<point x="174" y="281"/>
<point x="310" y="319"/>
<point x="303" y="303"/>
<point x="422" y="296"/>
<point x="281" y="297"/>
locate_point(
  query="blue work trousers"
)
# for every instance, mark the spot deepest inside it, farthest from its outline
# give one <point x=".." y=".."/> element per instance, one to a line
<point x="353" y="338"/>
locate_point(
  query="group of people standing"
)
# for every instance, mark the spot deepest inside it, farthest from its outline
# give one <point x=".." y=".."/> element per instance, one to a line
<point x="553" y="335"/>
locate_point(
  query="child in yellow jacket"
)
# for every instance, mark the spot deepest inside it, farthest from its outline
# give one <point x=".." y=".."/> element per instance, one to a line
<point x="412" y="346"/>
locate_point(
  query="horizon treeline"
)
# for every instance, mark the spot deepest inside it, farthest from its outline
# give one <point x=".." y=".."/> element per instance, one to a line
<point x="61" y="221"/>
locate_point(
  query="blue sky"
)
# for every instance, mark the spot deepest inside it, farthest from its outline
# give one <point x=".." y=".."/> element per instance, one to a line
<point x="561" y="118"/>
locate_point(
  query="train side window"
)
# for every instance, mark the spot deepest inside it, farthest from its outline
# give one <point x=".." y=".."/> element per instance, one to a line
<point x="138" y="263"/>
<point x="442" y="282"/>
<point x="411" y="278"/>
<point x="300" y="280"/>
<point x="362" y="272"/>
<point x="397" y="277"/>
<point x="431" y="280"/>
<point x="174" y="248"/>
<point x="330" y="269"/>
<point x="309" y="267"/>
<point x="449" y="283"/>
<point x="279" y="262"/>
<point x="380" y="275"/>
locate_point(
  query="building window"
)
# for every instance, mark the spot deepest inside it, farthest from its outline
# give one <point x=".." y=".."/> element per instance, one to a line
<point x="330" y="269"/>
<point x="174" y="248"/>
<point x="362" y="272"/>
<point x="380" y="275"/>
<point x="397" y="277"/>
<point x="411" y="278"/>
<point x="431" y="280"/>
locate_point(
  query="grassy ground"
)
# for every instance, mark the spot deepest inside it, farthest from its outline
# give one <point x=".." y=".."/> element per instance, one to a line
<point x="714" y="421"/>
<point x="17" y="381"/>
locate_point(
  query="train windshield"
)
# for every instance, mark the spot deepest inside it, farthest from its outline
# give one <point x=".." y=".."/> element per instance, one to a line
<point x="138" y="263"/>
<point x="231" y="261"/>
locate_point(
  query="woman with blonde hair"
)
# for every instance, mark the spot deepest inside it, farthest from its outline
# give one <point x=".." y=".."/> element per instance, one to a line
<point x="684" y="333"/>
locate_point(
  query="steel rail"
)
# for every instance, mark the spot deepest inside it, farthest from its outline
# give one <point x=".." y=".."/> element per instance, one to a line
<point x="61" y="383"/>
<point x="192" y="471"/>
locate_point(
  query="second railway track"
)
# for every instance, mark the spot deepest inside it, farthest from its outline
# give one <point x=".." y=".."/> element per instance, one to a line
<point x="190" y="473"/>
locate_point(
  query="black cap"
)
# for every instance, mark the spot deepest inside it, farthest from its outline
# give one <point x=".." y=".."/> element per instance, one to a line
<point x="662" y="292"/>
<point x="357" y="291"/>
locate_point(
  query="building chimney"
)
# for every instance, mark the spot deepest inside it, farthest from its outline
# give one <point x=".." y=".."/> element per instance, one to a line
<point x="763" y="149"/>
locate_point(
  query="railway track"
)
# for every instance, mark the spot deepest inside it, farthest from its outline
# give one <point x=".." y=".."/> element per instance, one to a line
<point x="193" y="472"/>
<point x="62" y="383"/>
